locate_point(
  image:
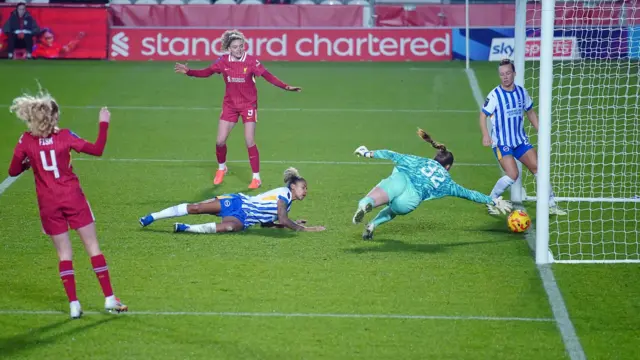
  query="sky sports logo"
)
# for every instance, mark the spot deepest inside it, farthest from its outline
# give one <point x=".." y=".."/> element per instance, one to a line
<point x="564" y="48"/>
<point x="120" y="45"/>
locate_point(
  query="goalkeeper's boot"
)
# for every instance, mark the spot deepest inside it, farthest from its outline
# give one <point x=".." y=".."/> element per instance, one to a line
<point x="75" y="310"/>
<point x="255" y="183"/>
<point x="554" y="210"/>
<point x="367" y="234"/>
<point x="112" y="304"/>
<point x="362" y="210"/>
<point x="220" y="173"/>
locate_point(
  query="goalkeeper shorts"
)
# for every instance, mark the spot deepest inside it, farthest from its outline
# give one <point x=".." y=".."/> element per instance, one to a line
<point x="403" y="197"/>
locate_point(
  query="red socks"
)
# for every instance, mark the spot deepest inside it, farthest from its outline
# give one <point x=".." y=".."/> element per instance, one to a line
<point x="254" y="158"/>
<point x="68" y="279"/>
<point x="221" y="153"/>
<point x="102" y="272"/>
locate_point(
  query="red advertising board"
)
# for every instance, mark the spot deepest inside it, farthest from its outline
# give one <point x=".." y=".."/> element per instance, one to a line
<point x="285" y="44"/>
<point x="82" y="30"/>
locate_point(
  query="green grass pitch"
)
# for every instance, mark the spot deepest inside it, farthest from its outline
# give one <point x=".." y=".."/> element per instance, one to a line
<point x="445" y="282"/>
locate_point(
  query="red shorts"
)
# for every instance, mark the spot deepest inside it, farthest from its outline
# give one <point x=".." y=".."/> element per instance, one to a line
<point x="230" y="114"/>
<point x="58" y="217"/>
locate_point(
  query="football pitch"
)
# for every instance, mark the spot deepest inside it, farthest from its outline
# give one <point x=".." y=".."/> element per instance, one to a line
<point x="447" y="281"/>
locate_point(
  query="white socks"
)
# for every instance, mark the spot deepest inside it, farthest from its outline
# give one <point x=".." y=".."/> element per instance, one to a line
<point x="209" y="228"/>
<point x="222" y="166"/>
<point x="256" y="176"/>
<point x="501" y="186"/>
<point x="174" y="211"/>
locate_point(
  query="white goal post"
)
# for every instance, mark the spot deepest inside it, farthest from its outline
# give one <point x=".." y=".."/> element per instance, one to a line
<point x="585" y="81"/>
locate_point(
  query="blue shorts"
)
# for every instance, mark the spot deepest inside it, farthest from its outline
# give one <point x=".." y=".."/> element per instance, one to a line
<point x="231" y="205"/>
<point x="517" y="152"/>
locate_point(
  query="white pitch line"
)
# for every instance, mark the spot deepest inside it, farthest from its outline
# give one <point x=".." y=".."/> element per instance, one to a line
<point x="288" y="315"/>
<point x="318" y="162"/>
<point x="197" y="108"/>
<point x="7" y="182"/>
<point x="567" y="331"/>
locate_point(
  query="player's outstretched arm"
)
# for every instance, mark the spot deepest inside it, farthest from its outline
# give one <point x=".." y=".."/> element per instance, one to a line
<point x="379" y="154"/>
<point x="97" y="148"/>
<point x="284" y="221"/>
<point x="498" y="204"/>
<point x="275" y="81"/>
<point x="201" y="73"/>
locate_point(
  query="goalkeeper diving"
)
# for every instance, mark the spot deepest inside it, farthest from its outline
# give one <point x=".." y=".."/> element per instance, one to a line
<point x="415" y="179"/>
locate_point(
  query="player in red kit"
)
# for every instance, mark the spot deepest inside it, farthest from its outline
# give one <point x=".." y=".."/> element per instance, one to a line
<point x="239" y="72"/>
<point x="61" y="201"/>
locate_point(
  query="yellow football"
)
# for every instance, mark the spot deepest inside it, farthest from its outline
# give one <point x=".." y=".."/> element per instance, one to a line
<point x="518" y="221"/>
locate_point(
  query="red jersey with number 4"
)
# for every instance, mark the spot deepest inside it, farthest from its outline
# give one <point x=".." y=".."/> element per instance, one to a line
<point x="50" y="159"/>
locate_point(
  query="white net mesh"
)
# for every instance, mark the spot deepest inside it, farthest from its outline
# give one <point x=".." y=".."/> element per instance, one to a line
<point x="595" y="135"/>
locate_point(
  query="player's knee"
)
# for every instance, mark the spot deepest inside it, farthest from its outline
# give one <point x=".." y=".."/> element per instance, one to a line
<point x="513" y="174"/>
<point x="250" y="142"/>
<point x="193" y="208"/>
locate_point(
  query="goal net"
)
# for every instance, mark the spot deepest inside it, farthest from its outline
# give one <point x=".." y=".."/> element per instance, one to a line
<point x="595" y="128"/>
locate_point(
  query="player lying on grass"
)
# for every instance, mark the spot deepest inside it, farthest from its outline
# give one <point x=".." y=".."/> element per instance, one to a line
<point x="239" y="211"/>
<point x="415" y="179"/>
<point x="61" y="201"/>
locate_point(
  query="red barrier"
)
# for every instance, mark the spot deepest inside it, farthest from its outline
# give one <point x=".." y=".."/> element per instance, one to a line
<point x="287" y="45"/>
<point x="230" y="16"/>
<point x="500" y="15"/>
<point x="81" y="31"/>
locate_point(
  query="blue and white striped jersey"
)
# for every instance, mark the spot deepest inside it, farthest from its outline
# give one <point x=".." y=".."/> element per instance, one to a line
<point x="263" y="208"/>
<point x="506" y="110"/>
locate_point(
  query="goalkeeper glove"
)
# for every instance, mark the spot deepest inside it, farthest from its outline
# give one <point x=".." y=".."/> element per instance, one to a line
<point x="363" y="151"/>
<point x="500" y="206"/>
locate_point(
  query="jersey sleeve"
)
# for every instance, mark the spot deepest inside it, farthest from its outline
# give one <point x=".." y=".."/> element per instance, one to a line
<point x="74" y="140"/>
<point x="490" y="104"/>
<point x="388" y="155"/>
<point x="528" y="101"/>
<point x="464" y="193"/>
<point x="217" y="66"/>
<point x="18" y="161"/>
<point x="258" y="68"/>
<point x="285" y="195"/>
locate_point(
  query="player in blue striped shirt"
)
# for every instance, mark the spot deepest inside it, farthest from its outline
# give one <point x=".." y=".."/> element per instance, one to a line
<point x="506" y="105"/>
<point x="240" y="211"/>
<point x="415" y="179"/>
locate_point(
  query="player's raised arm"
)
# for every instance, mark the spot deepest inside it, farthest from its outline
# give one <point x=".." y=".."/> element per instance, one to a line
<point x="498" y="205"/>
<point x="97" y="148"/>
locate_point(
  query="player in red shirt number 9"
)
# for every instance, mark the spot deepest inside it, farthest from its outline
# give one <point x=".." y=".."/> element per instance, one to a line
<point x="239" y="72"/>
<point x="47" y="150"/>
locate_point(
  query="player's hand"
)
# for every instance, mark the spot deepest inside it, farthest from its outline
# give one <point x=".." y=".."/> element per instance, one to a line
<point x="486" y="140"/>
<point x="301" y="221"/>
<point x="181" y="68"/>
<point x="26" y="164"/>
<point x="105" y="115"/>
<point x="363" y="151"/>
<point x="315" y="228"/>
<point x="500" y="206"/>
<point x="293" y="88"/>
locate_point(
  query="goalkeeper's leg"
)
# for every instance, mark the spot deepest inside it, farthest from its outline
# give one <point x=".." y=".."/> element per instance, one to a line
<point x="383" y="193"/>
<point x="403" y="204"/>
